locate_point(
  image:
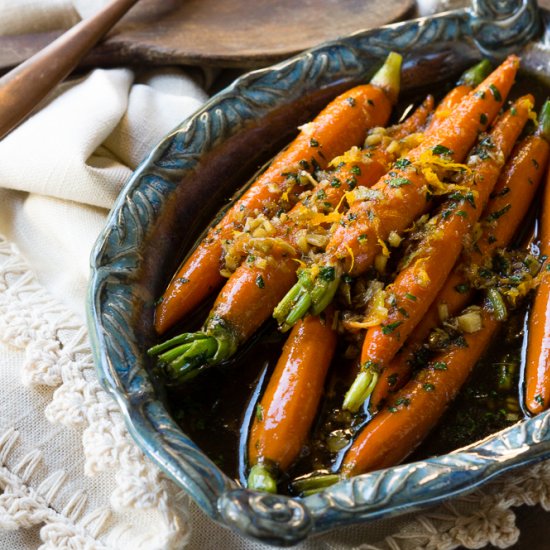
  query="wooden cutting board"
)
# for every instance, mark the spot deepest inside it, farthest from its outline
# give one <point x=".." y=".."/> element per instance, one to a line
<point x="228" y="33"/>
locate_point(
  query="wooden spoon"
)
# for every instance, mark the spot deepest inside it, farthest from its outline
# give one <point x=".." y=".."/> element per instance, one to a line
<point x="25" y="86"/>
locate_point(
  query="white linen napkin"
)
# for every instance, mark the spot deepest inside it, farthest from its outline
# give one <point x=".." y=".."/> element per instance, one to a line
<point x="70" y="160"/>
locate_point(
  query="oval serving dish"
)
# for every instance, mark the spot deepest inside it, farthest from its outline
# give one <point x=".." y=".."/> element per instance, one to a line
<point x="190" y="175"/>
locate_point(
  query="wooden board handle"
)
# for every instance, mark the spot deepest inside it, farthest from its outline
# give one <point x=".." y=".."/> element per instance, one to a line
<point x="25" y="86"/>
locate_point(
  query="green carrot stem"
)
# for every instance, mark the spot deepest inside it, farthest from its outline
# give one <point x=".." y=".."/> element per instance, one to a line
<point x="314" y="484"/>
<point x="497" y="303"/>
<point x="543" y="128"/>
<point x="168" y="344"/>
<point x="476" y="75"/>
<point x="323" y="294"/>
<point x="262" y="479"/>
<point x="362" y="387"/>
<point x="293" y="296"/>
<point x="174" y="353"/>
<point x="298" y="311"/>
<point x="388" y="77"/>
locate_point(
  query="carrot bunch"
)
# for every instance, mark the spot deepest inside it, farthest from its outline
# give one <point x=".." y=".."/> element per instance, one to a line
<point x="400" y="197"/>
<point x="257" y="285"/>
<point x="375" y="239"/>
<point x="341" y="125"/>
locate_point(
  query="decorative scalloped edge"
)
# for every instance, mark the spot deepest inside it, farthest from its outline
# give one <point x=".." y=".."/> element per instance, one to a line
<point x="115" y="283"/>
<point x="58" y="355"/>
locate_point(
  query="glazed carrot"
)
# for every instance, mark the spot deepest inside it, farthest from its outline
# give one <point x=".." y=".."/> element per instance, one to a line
<point x="466" y="83"/>
<point x="231" y="321"/>
<point x="400" y="196"/>
<point x="288" y="406"/>
<point x="509" y="203"/>
<point x="537" y="365"/>
<point x="414" y="410"/>
<point x="424" y="274"/>
<point x="340" y="125"/>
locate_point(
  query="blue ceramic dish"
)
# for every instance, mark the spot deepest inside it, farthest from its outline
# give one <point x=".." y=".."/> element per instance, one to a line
<point x="207" y="156"/>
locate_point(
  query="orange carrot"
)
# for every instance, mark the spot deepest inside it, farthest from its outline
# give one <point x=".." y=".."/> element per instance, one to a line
<point x="397" y="430"/>
<point x="232" y="319"/>
<point x="399" y="197"/>
<point x="288" y="406"/>
<point x="418" y="283"/>
<point x="537" y="365"/>
<point x="467" y="82"/>
<point x="340" y="125"/>
<point x="508" y="206"/>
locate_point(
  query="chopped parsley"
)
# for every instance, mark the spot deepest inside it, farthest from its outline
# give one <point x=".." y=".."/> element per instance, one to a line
<point x="499" y="213"/>
<point x="462" y="288"/>
<point x="392" y="379"/>
<point x="351" y="101"/>
<point x="351" y="182"/>
<point x="260" y="283"/>
<point x="313" y="142"/>
<point x="399" y="182"/>
<point x="402" y="163"/>
<point x="390" y="327"/>
<point x="327" y="273"/>
<point x="441" y="150"/>
<point x="259" y="412"/>
<point x="501" y="193"/>
<point x="495" y="92"/>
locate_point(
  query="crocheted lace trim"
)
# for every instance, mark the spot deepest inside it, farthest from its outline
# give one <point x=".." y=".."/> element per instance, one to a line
<point x="58" y="355"/>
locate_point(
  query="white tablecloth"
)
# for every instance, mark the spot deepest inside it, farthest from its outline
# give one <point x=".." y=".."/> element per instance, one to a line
<point x="70" y="476"/>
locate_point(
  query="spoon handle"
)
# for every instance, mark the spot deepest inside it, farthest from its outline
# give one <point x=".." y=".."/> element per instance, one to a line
<point x="25" y="86"/>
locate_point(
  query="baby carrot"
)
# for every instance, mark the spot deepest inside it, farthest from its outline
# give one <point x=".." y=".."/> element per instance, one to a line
<point x="466" y="83"/>
<point x="401" y="195"/>
<point x="232" y="320"/>
<point x="418" y="283"/>
<point x="340" y="125"/>
<point x="414" y="410"/>
<point x="288" y="406"/>
<point x="507" y="207"/>
<point x="537" y="365"/>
